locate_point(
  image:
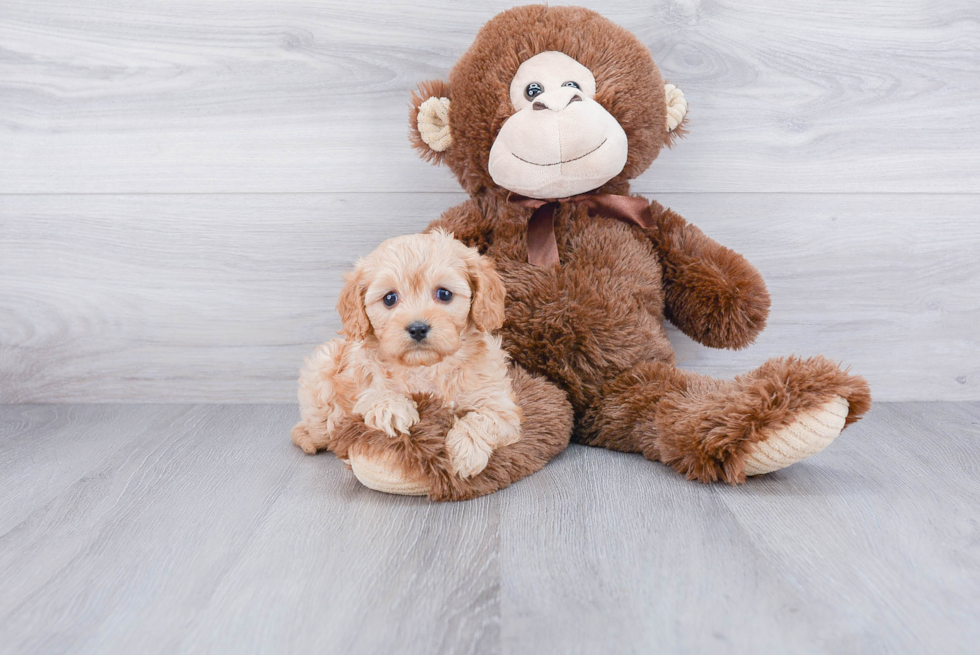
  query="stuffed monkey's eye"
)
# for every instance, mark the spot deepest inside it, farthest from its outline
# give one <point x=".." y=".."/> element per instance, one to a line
<point x="445" y="295"/>
<point x="390" y="299"/>
<point x="533" y="89"/>
<point x="574" y="85"/>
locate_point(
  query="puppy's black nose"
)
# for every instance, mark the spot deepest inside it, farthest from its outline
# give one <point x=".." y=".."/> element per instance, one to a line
<point x="418" y="330"/>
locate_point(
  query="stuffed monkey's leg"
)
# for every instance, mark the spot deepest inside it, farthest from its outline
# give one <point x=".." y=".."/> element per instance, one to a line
<point x="707" y="429"/>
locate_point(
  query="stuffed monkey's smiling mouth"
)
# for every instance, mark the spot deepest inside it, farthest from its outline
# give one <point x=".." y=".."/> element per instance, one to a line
<point x="564" y="161"/>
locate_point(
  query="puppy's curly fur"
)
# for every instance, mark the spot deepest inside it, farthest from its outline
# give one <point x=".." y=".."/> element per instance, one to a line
<point x="417" y="314"/>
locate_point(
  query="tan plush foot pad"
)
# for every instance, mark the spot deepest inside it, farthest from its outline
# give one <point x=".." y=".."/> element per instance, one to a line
<point x="378" y="474"/>
<point x="809" y="434"/>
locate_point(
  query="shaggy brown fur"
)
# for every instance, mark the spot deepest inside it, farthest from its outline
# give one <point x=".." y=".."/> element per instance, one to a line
<point x="422" y="454"/>
<point x="711" y="293"/>
<point x="702" y="427"/>
<point x="594" y="324"/>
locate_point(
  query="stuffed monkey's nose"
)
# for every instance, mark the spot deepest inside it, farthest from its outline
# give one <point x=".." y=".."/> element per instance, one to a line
<point x="418" y="330"/>
<point x="556" y="101"/>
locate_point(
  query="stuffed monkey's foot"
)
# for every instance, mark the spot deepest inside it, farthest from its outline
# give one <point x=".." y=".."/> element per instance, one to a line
<point x="420" y="463"/>
<point x="782" y="412"/>
<point x="810" y="433"/>
<point x="382" y="472"/>
<point x="709" y="430"/>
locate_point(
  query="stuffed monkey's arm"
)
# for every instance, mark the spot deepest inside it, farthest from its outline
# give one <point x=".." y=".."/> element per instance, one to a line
<point x="712" y="294"/>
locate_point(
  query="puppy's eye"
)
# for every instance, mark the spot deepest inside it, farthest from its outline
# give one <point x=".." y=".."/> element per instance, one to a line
<point x="390" y="299"/>
<point x="574" y="85"/>
<point x="533" y="89"/>
<point x="445" y="295"/>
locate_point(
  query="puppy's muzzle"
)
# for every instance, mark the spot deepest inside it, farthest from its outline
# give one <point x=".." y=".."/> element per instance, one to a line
<point x="418" y="330"/>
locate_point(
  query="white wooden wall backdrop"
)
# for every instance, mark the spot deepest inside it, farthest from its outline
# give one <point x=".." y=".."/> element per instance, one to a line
<point x="182" y="182"/>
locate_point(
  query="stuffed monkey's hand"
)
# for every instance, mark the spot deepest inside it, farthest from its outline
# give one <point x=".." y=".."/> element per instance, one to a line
<point x="711" y="293"/>
<point x="386" y="411"/>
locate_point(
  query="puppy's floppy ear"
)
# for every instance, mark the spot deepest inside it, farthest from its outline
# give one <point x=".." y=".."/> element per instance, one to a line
<point x="428" y="117"/>
<point x="353" y="315"/>
<point x="487" y="303"/>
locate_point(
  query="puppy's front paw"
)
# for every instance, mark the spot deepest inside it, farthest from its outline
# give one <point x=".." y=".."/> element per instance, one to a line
<point x="389" y="413"/>
<point x="468" y="451"/>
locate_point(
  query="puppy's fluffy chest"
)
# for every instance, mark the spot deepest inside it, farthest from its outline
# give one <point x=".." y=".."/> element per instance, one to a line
<point x="442" y="380"/>
<point x="422" y="379"/>
<point x="478" y="364"/>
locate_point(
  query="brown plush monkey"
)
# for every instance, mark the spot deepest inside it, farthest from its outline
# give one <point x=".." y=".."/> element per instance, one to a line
<point x="544" y="121"/>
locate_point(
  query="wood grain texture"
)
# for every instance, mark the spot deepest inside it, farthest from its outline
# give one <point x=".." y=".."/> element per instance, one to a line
<point x="217" y="298"/>
<point x="290" y="96"/>
<point x="178" y="529"/>
<point x="868" y="547"/>
<point x="207" y="531"/>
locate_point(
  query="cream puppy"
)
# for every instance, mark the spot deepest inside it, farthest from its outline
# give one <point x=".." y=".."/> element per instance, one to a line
<point x="417" y="315"/>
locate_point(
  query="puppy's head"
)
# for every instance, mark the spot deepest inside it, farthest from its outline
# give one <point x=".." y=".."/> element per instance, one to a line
<point x="418" y="295"/>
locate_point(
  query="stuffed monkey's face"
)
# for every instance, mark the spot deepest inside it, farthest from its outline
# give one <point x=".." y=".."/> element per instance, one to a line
<point x="560" y="142"/>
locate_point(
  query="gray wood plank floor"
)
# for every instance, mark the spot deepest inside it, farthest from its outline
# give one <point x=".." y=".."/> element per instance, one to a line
<point x="171" y="529"/>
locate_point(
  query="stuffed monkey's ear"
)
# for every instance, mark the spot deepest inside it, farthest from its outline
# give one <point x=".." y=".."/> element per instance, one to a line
<point x="487" y="303"/>
<point x="676" y="113"/>
<point x="428" y="116"/>
<point x="353" y="316"/>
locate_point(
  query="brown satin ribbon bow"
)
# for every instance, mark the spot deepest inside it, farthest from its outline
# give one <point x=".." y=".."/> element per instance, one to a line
<point x="542" y="247"/>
